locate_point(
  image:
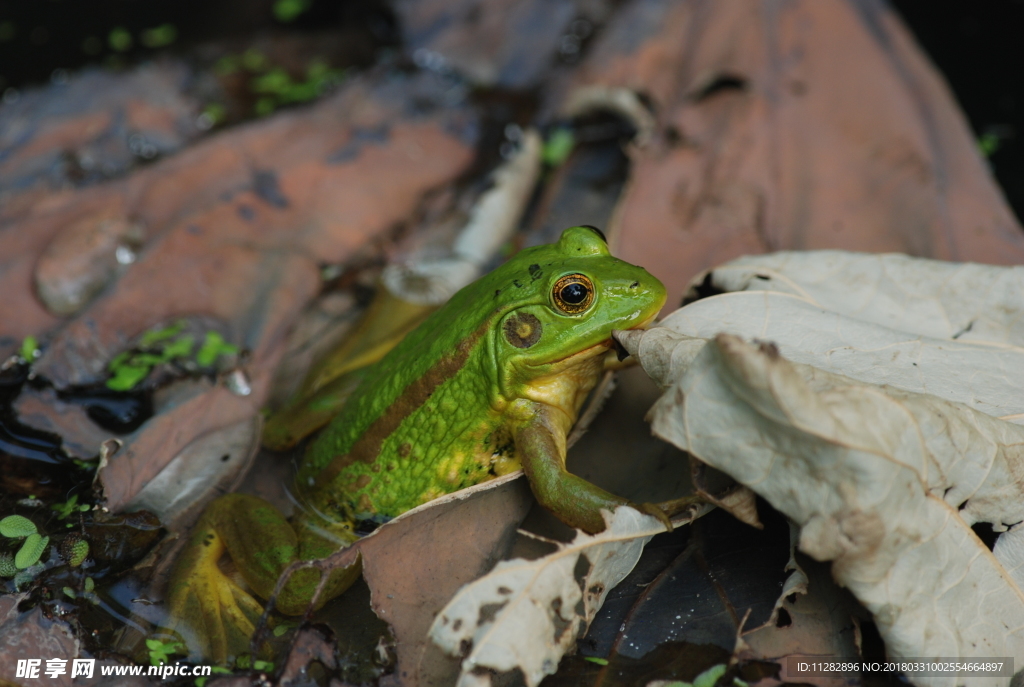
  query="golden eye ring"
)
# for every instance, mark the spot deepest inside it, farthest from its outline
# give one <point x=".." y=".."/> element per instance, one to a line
<point x="573" y="293"/>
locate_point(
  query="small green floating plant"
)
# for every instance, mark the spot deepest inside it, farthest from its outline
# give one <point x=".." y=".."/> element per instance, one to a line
<point x="160" y="651"/>
<point x="273" y="85"/>
<point x="32" y="547"/>
<point x="169" y="344"/>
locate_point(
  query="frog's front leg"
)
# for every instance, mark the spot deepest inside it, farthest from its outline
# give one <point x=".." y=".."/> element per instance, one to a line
<point x="540" y="445"/>
<point x="212" y="612"/>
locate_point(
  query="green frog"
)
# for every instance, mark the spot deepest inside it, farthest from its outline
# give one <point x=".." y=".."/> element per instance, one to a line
<point x="490" y="383"/>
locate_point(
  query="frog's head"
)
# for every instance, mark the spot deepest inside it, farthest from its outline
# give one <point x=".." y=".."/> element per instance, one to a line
<point x="561" y="302"/>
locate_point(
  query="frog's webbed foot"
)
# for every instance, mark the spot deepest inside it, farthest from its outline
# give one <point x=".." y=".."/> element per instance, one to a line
<point x="207" y="609"/>
<point x="214" y="614"/>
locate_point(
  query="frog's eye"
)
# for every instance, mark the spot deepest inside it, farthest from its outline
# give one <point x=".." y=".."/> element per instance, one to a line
<point x="573" y="293"/>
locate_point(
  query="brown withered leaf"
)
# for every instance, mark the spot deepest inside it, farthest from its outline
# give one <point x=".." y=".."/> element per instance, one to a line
<point x="96" y="126"/>
<point x="153" y="446"/>
<point x="32" y="636"/>
<point x="820" y="624"/>
<point x="504" y="43"/>
<point x="246" y="215"/>
<point x="42" y="409"/>
<point x="416" y="563"/>
<point x="791" y="125"/>
<point x="249" y="215"/>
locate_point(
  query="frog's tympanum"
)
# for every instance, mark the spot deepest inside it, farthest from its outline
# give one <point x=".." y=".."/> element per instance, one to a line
<point x="489" y="383"/>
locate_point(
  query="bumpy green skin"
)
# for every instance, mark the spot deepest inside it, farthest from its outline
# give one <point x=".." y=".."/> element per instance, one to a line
<point x="429" y="418"/>
<point x="490" y="382"/>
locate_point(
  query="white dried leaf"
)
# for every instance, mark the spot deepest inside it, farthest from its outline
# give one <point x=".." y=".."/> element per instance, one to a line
<point x="883" y="482"/>
<point x="988" y="377"/>
<point x="1009" y="550"/>
<point x="943" y="300"/>
<point x="527" y="614"/>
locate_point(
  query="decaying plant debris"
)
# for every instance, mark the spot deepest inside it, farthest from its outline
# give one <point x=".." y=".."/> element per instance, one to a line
<point x="884" y="471"/>
<point x="755" y="126"/>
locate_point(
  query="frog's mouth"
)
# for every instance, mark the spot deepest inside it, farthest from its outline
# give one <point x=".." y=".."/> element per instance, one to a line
<point x="603" y="347"/>
<point x="620" y="351"/>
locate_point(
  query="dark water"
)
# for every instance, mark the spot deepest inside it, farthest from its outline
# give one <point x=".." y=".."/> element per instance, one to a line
<point x="40" y="36"/>
<point x="977" y="46"/>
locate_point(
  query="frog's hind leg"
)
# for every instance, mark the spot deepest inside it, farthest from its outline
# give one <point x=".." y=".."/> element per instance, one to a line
<point x="212" y="612"/>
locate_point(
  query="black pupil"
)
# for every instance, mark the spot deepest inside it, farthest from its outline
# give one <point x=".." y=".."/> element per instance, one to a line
<point x="574" y="293"/>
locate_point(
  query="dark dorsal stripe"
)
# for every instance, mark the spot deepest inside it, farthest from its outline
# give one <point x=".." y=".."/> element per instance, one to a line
<point x="367" y="446"/>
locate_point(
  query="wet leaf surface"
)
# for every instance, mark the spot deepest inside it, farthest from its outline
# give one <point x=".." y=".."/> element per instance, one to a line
<point x="703" y="596"/>
<point x="31" y="636"/>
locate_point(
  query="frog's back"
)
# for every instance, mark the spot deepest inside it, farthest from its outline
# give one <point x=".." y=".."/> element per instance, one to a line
<point x="426" y="419"/>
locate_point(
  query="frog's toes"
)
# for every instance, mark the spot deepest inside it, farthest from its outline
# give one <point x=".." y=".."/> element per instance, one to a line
<point x="656" y="511"/>
<point x="214" y="616"/>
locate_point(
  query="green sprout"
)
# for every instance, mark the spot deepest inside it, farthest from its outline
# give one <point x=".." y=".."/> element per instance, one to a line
<point x="706" y="679"/>
<point x="88" y="593"/>
<point x="244" y="662"/>
<point x="213" y="347"/>
<point x="215" y="670"/>
<point x="989" y="143"/>
<point x="283" y="627"/>
<point x="160" y="651"/>
<point x="558" y="146"/>
<point x="273" y="85"/>
<point x="215" y="113"/>
<point x="68" y="507"/>
<point x="119" y="39"/>
<point x="29" y="349"/>
<point x="595" y="659"/>
<point x="274" y="81"/>
<point x="288" y="10"/>
<point x="84" y="464"/>
<point x="253" y="60"/>
<point x="153" y="336"/>
<point x="160" y="36"/>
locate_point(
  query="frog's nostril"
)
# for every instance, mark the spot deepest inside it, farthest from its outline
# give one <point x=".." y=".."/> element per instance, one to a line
<point x="634" y="285"/>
